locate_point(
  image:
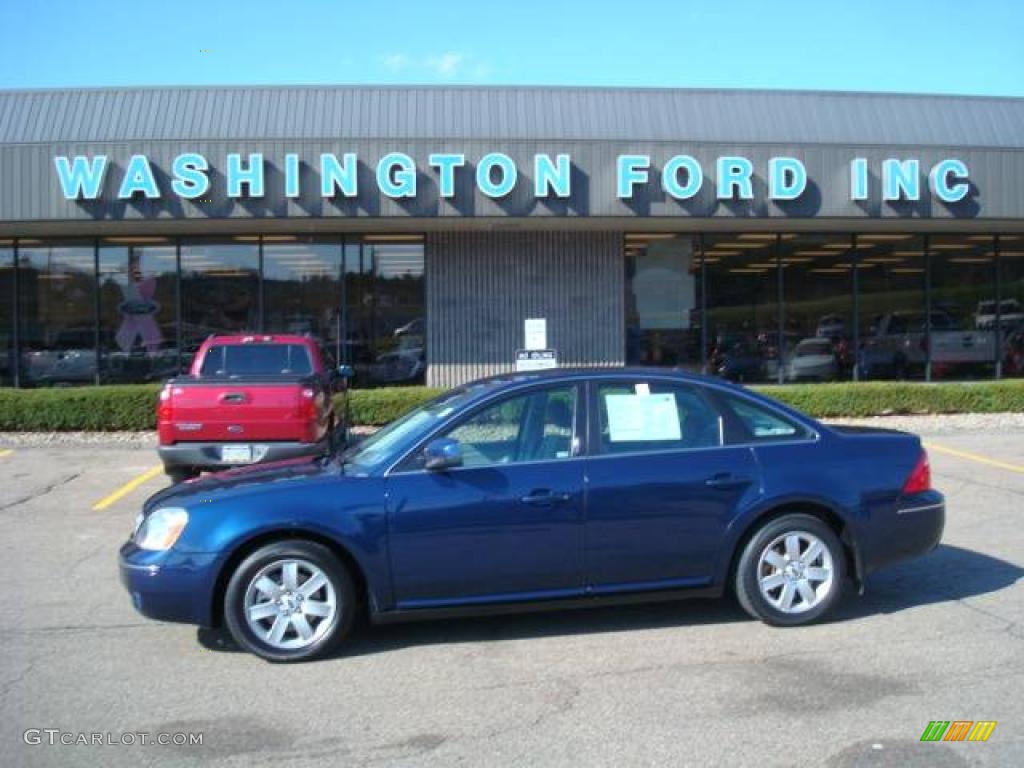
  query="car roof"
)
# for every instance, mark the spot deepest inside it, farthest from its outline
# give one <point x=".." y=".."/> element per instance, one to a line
<point x="508" y="380"/>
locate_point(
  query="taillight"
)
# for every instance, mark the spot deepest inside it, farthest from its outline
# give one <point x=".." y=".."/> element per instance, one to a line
<point x="920" y="479"/>
<point x="163" y="408"/>
<point x="309" y="407"/>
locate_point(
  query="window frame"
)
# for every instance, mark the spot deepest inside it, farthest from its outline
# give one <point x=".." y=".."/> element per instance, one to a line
<point x="408" y="462"/>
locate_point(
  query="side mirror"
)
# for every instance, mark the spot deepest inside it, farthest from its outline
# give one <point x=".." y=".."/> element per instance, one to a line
<point x="441" y="454"/>
<point x="341" y="376"/>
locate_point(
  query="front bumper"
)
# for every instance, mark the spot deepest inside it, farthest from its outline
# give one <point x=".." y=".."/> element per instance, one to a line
<point x="169" y="586"/>
<point x="207" y="455"/>
<point x="912" y="529"/>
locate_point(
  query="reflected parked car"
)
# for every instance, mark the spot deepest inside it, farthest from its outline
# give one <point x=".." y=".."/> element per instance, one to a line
<point x="737" y="358"/>
<point x="830" y="326"/>
<point x="1011" y="314"/>
<point x="813" y="360"/>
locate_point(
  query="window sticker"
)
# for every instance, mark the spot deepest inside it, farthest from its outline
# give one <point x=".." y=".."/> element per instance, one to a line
<point x="633" y="418"/>
<point x="642" y="388"/>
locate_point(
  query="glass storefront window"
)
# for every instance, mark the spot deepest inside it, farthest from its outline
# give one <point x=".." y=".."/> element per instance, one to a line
<point x="892" y="306"/>
<point x="302" y="288"/>
<point x="7" y="361"/>
<point x="663" y="308"/>
<point x="818" y="305"/>
<point x="57" y="308"/>
<point x="138" y="313"/>
<point x="963" y="300"/>
<point x="1011" y="305"/>
<point x="219" y="290"/>
<point x="742" y="306"/>
<point x="398" y="326"/>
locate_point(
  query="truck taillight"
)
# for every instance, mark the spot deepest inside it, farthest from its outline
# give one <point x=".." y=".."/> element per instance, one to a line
<point x="920" y="479"/>
<point x="163" y="408"/>
<point x="309" y="407"/>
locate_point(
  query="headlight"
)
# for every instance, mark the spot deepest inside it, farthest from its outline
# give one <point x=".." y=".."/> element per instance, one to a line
<point x="161" y="529"/>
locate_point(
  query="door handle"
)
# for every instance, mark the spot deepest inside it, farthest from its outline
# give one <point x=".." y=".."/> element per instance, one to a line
<point x="545" y="498"/>
<point x="726" y="481"/>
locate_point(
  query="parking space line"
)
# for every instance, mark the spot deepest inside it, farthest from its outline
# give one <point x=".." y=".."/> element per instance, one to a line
<point x="127" y="488"/>
<point x="974" y="457"/>
<point x="6" y="452"/>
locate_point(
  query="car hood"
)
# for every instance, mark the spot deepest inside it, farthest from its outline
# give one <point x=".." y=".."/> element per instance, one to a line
<point x="299" y="469"/>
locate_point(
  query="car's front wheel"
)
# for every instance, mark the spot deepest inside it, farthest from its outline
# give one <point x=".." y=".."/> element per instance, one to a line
<point x="791" y="571"/>
<point x="290" y="601"/>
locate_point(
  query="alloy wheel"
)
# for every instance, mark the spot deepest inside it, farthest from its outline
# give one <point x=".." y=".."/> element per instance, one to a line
<point x="290" y="604"/>
<point x="795" y="572"/>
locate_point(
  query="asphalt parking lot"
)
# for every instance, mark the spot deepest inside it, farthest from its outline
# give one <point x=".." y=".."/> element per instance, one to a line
<point x="692" y="683"/>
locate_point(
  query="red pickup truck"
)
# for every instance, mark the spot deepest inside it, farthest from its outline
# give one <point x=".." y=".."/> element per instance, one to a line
<point x="246" y="399"/>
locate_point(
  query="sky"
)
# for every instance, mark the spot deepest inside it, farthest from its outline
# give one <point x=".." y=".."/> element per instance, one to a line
<point x="926" y="46"/>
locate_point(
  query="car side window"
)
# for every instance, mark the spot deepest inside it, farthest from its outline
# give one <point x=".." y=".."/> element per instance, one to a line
<point x="645" y="416"/>
<point x="759" y="424"/>
<point x="538" y="425"/>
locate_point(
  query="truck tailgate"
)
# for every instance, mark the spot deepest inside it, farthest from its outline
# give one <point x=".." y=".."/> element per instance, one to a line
<point x="238" y="412"/>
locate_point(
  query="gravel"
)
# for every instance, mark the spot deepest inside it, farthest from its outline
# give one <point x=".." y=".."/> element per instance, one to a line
<point x="922" y="424"/>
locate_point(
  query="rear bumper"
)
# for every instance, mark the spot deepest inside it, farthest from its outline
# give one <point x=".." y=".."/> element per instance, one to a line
<point x="207" y="455"/>
<point x="913" y="529"/>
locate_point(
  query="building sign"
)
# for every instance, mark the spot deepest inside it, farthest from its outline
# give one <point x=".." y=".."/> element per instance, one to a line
<point x="535" y="332"/>
<point x="496" y="175"/>
<point x="535" y="360"/>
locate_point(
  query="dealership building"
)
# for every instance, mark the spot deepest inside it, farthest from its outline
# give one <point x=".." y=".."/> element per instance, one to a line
<point x="414" y="231"/>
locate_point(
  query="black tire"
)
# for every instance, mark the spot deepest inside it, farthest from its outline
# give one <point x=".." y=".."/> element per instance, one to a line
<point x="337" y="627"/>
<point x="180" y="474"/>
<point x="749" y="570"/>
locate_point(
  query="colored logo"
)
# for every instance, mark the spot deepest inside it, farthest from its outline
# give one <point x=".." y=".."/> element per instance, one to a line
<point x="958" y="730"/>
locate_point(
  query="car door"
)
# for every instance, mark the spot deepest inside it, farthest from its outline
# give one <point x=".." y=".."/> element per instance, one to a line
<point x="508" y="523"/>
<point x="661" y="485"/>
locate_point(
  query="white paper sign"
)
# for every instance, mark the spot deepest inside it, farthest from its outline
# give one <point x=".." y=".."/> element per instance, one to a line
<point x="634" y="418"/>
<point x="535" y="360"/>
<point x="536" y="332"/>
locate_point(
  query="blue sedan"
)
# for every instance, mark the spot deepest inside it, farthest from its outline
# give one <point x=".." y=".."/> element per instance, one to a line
<point x="549" y="489"/>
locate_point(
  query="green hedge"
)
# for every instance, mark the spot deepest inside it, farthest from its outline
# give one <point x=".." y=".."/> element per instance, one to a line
<point x="373" y="407"/>
<point x="131" y="407"/>
<point x="883" y="398"/>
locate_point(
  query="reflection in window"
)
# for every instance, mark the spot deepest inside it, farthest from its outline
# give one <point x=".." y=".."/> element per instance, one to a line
<point x="397" y="328"/>
<point x="7" y="361"/>
<point x="818" y="287"/>
<point x="963" y="328"/>
<point x="219" y="290"/>
<point x="138" y="328"/>
<point x="1011" y="309"/>
<point x="57" y="308"/>
<point x="302" y="288"/>
<point x="662" y="300"/>
<point x="892" y="306"/>
<point x="742" y="306"/>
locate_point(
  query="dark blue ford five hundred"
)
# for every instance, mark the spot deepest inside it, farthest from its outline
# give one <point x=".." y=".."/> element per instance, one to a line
<point x="549" y="489"/>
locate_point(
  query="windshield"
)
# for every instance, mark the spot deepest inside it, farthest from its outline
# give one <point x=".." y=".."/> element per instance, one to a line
<point x="256" y="360"/>
<point x="386" y="444"/>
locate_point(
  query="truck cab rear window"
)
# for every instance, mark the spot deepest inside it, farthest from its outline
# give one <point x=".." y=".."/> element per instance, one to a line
<point x="256" y="360"/>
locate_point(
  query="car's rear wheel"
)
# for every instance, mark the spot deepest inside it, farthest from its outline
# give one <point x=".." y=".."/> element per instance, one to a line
<point x="791" y="571"/>
<point x="290" y="601"/>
